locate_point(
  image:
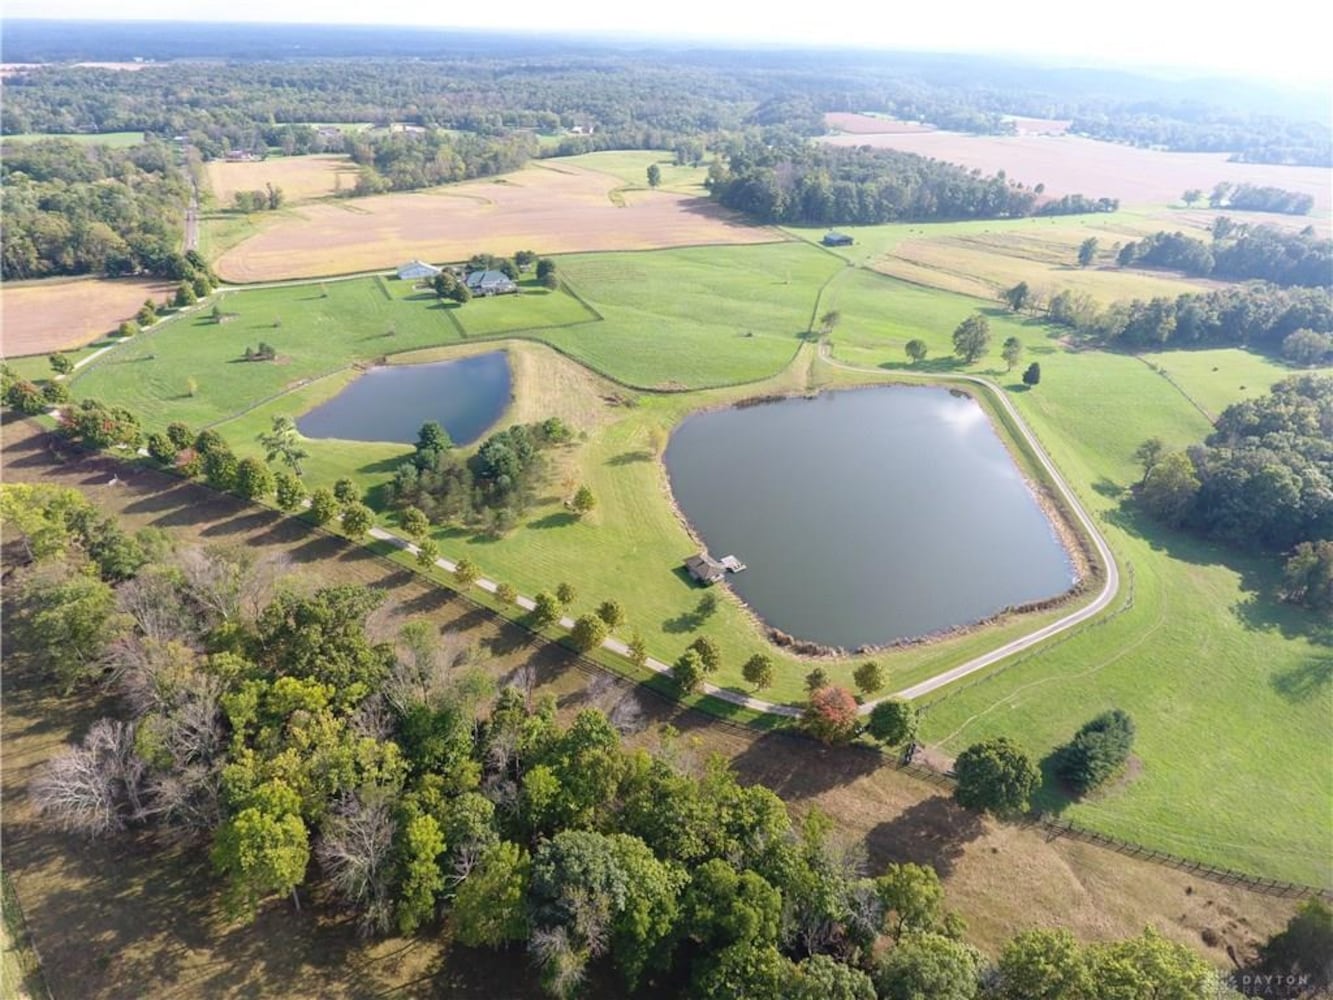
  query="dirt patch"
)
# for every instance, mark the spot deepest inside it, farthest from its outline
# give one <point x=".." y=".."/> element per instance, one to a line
<point x="1069" y="164"/>
<point x="58" y="314"/>
<point x="855" y="124"/>
<point x="552" y="211"/>
<point x="300" y="177"/>
<point x="1040" y="126"/>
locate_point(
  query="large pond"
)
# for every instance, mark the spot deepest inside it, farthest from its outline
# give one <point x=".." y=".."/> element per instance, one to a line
<point x="391" y="403"/>
<point x="866" y="515"/>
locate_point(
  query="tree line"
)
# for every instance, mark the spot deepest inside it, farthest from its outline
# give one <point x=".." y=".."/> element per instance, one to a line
<point x="1259" y="316"/>
<point x="1238" y="252"/>
<point x="307" y="747"/>
<point x="777" y="177"/>
<point x="73" y="209"/>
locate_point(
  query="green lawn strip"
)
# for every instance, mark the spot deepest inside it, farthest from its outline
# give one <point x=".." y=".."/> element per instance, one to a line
<point x="533" y="308"/>
<point x="1201" y="661"/>
<point x="116" y="140"/>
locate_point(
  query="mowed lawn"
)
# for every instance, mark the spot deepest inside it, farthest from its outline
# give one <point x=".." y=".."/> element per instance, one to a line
<point x="317" y="329"/>
<point x="695" y="317"/>
<point x="1229" y="688"/>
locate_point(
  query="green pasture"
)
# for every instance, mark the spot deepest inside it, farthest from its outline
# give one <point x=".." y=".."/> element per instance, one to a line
<point x="1214" y="379"/>
<point x="1229" y="688"/>
<point x="631" y="166"/>
<point x="117" y="140"/>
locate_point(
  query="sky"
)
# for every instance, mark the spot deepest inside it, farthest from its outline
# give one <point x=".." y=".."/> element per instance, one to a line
<point x="1265" y="42"/>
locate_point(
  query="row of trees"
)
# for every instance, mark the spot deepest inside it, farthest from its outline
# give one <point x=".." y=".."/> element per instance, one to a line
<point x="74" y="209"/>
<point x="1252" y="198"/>
<point x="404" y="161"/>
<point x="1259" y="316"/>
<point x="1239" y="252"/>
<point x="307" y="748"/>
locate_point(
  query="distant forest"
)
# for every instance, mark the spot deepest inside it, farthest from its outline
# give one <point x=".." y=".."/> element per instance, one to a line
<point x="483" y="83"/>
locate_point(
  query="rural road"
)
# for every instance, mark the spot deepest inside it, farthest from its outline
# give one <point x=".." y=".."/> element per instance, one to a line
<point x="1110" y="587"/>
<point x="192" y="219"/>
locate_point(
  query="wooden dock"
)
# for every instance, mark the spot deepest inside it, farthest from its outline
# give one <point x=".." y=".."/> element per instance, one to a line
<point x="732" y="563"/>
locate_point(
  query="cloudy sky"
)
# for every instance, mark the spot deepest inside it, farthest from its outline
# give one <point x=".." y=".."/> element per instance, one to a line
<point x="1283" y="39"/>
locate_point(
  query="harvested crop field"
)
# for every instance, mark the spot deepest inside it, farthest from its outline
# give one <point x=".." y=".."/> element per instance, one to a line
<point x="855" y="124"/>
<point x="1069" y="164"/>
<point x="56" y="315"/>
<point x="552" y="209"/>
<point x="300" y="177"/>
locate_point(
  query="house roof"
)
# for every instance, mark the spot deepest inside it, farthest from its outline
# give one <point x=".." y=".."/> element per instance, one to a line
<point x="488" y="279"/>
<point x="835" y="237"/>
<point x="417" y="269"/>
<point x="705" y="568"/>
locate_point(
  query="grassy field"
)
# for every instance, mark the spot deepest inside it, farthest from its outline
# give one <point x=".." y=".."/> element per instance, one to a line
<point x="300" y="177"/>
<point x="982" y="258"/>
<point x="1214" y="379"/>
<point x="1220" y="678"/>
<point x="117" y="140"/>
<point x="132" y="914"/>
<point x="631" y="167"/>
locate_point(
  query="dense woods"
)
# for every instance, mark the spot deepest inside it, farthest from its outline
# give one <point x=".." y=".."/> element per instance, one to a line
<point x="1259" y="316"/>
<point x="1263" y="478"/>
<point x="1239" y="252"/>
<point x="480" y="85"/>
<point x="73" y="209"/>
<point x="778" y="178"/>
<point x="279" y="731"/>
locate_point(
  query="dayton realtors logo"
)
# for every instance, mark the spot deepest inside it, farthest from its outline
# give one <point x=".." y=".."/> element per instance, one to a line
<point x="1253" y="984"/>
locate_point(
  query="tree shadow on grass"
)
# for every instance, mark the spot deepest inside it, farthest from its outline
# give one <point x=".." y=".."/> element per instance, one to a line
<point x="1304" y="682"/>
<point x="934" y="832"/>
<point x="1052" y="797"/>
<point x="936" y="366"/>
<point x="631" y="457"/>
<point x="558" y="519"/>
<point x="798" y="768"/>
<point x="244" y="524"/>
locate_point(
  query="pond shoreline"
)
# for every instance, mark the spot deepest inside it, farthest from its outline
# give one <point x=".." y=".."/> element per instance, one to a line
<point x="1071" y="543"/>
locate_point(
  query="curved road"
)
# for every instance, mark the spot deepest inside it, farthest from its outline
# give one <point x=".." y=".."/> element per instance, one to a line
<point x="1107" y="593"/>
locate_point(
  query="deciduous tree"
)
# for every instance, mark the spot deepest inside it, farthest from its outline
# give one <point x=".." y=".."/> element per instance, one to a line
<point x="996" y="776"/>
<point x="357" y="519"/>
<point x="1087" y="251"/>
<point x="1012" y="352"/>
<point x="831" y="715"/>
<point x="869" y="677"/>
<point x="758" y="671"/>
<point x="893" y="722"/>
<point x="916" y="350"/>
<point x="589" y="632"/>
<point x="972" y="337"/>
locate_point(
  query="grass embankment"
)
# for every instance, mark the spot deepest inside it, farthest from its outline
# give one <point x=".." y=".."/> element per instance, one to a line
<point x="132" y="914"/>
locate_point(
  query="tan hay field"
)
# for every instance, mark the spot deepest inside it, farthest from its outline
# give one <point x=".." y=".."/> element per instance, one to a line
<point x="1070" y="164"/>
<point x="984" y="264"/>
<point x="855" y="124"/>
<point x="551" y="209"/>
<point x="300" y="177"/>
<point x="56" y="315"/>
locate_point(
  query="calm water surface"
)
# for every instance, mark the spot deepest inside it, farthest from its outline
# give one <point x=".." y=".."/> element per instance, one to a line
<point x="392" y="402"/>
<point x="866" y="515"/>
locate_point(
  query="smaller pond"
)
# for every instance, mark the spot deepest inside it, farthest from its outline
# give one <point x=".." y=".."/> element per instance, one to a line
<point x="391" y="403"/>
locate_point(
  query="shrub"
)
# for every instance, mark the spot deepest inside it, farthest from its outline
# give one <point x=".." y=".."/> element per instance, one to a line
<point x="1096" y="752"/>
<point x="323" y="505"/>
